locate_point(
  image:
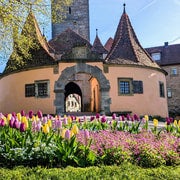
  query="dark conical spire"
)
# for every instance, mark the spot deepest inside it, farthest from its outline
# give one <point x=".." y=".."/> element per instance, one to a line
<point x="126" y="46"/>
<point x="97" y="45"/>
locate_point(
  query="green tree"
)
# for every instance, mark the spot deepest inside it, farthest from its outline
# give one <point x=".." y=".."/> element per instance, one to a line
<point x="13" y="14"/>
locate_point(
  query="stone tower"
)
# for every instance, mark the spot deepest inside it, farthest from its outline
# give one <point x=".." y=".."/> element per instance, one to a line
<point x="77" y="19"/>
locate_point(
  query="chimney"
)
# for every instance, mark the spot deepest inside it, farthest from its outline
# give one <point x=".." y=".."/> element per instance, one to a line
<point x="166" y="44"/>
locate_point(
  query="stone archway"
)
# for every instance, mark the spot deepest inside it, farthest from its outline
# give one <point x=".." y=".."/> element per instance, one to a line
<point x="60" y="84"/>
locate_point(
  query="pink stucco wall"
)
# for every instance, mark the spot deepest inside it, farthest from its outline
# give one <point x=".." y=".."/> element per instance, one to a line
<point x="12" y="90"/>
<point x="149" y="102"/>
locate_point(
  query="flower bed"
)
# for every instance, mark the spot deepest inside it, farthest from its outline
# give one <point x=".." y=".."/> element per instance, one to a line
<point x="32" y="140"/>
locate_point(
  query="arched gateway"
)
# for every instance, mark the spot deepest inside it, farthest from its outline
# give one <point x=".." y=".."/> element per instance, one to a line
<point x="66" y="77"/>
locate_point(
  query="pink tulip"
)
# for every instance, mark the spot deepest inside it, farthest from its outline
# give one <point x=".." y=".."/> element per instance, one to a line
<point x="67" y="134"/>
<point x="2" y="122"/>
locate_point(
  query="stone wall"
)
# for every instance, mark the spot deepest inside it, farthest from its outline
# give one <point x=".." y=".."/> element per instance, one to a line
<point x="77" y="19"/>
<point x="173" y="83"/>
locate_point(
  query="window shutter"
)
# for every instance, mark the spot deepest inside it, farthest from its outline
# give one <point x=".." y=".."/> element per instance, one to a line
<point x="137" y="87"/>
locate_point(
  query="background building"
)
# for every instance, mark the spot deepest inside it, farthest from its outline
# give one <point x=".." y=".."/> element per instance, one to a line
<point x="168" y="57"/>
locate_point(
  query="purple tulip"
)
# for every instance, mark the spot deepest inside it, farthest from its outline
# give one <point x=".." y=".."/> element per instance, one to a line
<point x="58" y="124"/>
<point x="103" y="119"/>
<point x="11" y="122"/>
<point x="2" y="122"/>
<point x="14" y="114"/>
<point x="171" y="119"/>
<point x="23" y="113"/>
<point x="45" y="119"/>
<point x="168" y="121"/>
<point x="128" y="117"/>
<point x="114" y="116"/>
<point x="30" y="114"/>
<point x="136" y="117"/>
<point x="65" y="121"/>
<point x="92" y="118"/>
<point x="40" y="115"/>
<point x="123" y="118"/>
<point x="97" y="116"/>
<point x="16" y="124"/>
<point x="22" y="127"/>
<point x="86" y="134"/>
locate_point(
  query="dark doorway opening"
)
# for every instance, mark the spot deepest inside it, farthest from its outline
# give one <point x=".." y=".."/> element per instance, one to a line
<point x="73" y="98"/>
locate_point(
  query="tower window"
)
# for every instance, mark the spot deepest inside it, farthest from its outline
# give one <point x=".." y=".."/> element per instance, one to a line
<point x="69" y="10"/>
<point x="161" y="89"/>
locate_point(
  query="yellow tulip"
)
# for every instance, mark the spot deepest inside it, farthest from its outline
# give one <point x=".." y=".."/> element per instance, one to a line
<point x="155" y="122"/>
<point x="175" y="123"/>
<point x="179" y="123"/>
<point x="71" y="133"/>
<point x="19" y="116"/>
<point x="69" y="120"/>
<point x="25" y="121"/>
<point x="9" y="117"/>
<point x="33" y="118"/>
<point x="75" y="129"/>
<point x="63" y="133"/>
<point x="37" y="118"/>
<point x="45" y="128"/>
<point x="5" y="119"/>
<point x="146" y="117"/>
<point x="49" y="123"/>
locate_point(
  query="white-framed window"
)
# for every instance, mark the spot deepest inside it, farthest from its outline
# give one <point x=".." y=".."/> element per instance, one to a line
<point x="169" y="92"/>
<point x="174" y="71"/>
<point x="125" y="86"/>
<point x="156" y="56"/>
<point x="38" y="89"/>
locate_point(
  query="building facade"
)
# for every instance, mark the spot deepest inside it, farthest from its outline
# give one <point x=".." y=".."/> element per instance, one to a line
<point x="168" y="57"/>
<point x="120" y="79"/>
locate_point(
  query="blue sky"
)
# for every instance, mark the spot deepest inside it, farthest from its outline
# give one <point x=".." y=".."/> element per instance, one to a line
<point x="154" y="21"/>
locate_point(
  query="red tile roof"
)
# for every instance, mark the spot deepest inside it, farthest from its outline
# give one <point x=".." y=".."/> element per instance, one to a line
<point x="126" y="48"/>
<point x="108" y="44"/>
